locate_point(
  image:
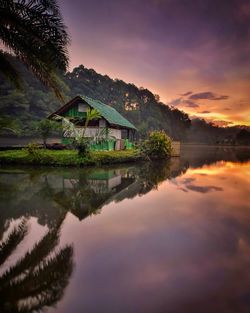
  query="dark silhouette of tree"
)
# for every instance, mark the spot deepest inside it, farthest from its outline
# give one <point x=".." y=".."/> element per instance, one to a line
<point x="37" y="279"/>
<point x="243" y="137"/>
<point x="35" y="33"/>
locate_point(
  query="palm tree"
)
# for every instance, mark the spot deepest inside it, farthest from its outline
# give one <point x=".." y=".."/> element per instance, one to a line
<point x="39" y="278"/>
<point x="34" y="31"/>
<point x="78" y="135"/>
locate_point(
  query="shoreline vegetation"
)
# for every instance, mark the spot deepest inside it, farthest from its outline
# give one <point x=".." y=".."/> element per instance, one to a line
<point x="68" y="157"/>
<point x="157" y="146"/>
<point x="71" y="158"/>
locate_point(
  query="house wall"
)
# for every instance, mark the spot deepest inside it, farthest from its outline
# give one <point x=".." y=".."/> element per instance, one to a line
<point x="93" y="131"/>
<point x="78" y="110"/>
<point x="117" y="133"/>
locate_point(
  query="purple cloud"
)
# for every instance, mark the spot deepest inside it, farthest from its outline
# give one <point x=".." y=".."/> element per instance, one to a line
<point x="181" y="102"/>
<point x="190" y="104"/>
<point x="203" y="189"/>
<point x="186" y="94"/>
<point x="205" y="112"/>
<point x="175" y="102"/>
<point x="208" y="95"/>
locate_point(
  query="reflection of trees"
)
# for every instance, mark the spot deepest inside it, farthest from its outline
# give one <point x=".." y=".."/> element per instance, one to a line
<point x="37" y="279"/>
<point x="83" y="192"/>
<point x="199" y="155"/>
<point x="153" y="173"/>
<point x="149" y="176"/>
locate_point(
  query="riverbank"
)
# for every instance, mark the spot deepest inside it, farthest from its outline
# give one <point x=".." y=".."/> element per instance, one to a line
<point x="67" y="157"/>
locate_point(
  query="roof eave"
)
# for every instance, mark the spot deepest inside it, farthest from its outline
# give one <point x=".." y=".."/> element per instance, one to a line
<point x="122" y="126"/>
<point x="65" y="106"/>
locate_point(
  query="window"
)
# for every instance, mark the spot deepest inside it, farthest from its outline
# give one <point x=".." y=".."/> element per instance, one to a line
<point x="102" y="123"/>
<point x="82" y="107"/>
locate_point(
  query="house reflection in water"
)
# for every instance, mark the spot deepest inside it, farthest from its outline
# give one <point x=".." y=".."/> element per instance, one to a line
<point x="86" y="193"/>
<point x="106" y="181"/>
<point x="48" y="194"/>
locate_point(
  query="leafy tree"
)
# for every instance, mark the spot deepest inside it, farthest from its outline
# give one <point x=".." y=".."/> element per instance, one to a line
<point x="243" y="137"/>
<point x="45" y="129"/>
<point x="35" y="33"/>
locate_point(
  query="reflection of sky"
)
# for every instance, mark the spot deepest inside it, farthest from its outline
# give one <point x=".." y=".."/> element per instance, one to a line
<point x="172" y="47"/>
<point x="175" y="249"/>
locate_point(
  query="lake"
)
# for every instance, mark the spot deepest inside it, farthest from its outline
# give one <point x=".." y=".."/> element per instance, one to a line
<point x="163" y="237"/>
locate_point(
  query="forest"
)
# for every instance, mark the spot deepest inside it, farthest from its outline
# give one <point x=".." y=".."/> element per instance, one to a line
<point x="139" y="105"/>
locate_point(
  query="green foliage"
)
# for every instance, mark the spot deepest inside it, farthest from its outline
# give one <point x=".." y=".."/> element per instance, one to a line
<point x="82" y="145"/>
<point x="35" y="33"/>
<point x="79" y="141"/>
<point x="158" y="145"/>
<point x="32" y="148"/>
<point x="138" y="105"/>
<point x="91" y="114"/>
<point x="9" y="125"/>
<point x="45" y="129"/>
<point x="34" y="152"/>
<point x="67" y="157"/>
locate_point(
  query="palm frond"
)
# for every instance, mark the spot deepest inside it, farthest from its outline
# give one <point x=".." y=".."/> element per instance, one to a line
<point x="12" y="241"/>
<point x="9" y="71"/>
<point x="35" y="32"/>
<point x="39" y="279"/>
<point x="8" y="124"/>
<point x="69" y="128"/>
<point x="44" y="285"/>
<point x="92" y="114"/>
<point x="42" y="249"/>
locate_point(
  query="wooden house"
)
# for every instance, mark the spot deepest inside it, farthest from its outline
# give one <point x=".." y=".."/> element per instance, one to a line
<point x="121" y="131"/>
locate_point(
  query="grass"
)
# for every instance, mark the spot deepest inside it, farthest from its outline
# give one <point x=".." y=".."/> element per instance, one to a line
<point x="67" y="157"/>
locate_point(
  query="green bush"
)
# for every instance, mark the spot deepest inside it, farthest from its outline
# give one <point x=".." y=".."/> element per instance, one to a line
<point x="158" y="145"/>
<point x="32" y="149"/>
<point x="36" y="154"/>
<point x="82" y="146"/>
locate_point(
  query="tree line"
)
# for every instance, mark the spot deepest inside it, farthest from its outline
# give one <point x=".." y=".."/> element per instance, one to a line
<point x="34" y="102"/>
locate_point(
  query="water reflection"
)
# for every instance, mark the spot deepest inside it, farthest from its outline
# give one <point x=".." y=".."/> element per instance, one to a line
<point x="171" y="237"/>
<point x="48" y="194"/>
<point x="199" y="155"/>
<point x="38" y="278"/>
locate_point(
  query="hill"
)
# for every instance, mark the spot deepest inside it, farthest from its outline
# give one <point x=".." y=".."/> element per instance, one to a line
<point x="139" y="105"/>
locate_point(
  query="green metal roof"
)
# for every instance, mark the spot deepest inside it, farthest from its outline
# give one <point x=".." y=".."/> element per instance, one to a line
<point x="110" y="114"/>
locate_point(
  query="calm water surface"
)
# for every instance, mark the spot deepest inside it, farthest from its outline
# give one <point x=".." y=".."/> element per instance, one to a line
<point x="165" y="237"/>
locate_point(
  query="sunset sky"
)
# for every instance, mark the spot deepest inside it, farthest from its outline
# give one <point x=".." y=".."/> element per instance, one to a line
<point x="195" y="54"/>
